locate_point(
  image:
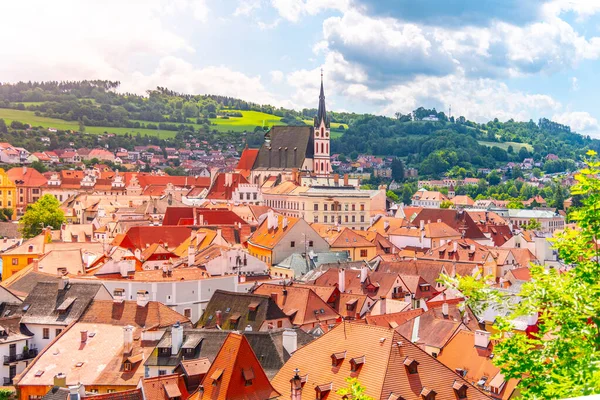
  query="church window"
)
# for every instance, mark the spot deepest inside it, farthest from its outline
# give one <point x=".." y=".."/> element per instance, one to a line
<point x="322" y="166"/>
<point x="322" y="131"/>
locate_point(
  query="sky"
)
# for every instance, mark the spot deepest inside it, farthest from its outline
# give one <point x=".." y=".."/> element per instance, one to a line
<point x="484" y="59"/>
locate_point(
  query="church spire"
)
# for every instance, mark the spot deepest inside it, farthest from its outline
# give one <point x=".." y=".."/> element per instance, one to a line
<point x="322" y="112"/>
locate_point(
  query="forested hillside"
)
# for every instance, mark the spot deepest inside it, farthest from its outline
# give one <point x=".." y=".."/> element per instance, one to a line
<point x="425" y="139"/>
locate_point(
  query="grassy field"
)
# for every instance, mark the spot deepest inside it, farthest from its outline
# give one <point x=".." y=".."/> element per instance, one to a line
<point x="516" y="146"/>
<point x="29" y="117"/>
<point x="246" y="123"/>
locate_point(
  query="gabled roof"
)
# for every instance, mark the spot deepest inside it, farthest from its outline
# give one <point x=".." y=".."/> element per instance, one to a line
<point x="247" y="159"/>
<point x="236" y="373"/>
<point x="456" y="219"/>
<point x="268" y="238"/>
<point x="164" y="387"/>
<point x="476" y="362"/>
<point x="393" y="320"/>
<point x="29" y="177"/>
<point x="300" y="303"/>
<point x="154" y="315"/>
<point x="239" y="310"/>
<point x="48" y="303"/>
<point x="383" y="372"/>
<point x="216" y="217"/>
<point x="139" y="237"/>
<point x="221" y="189"/>
<point x="289" y="146"/>
<point x="426" y="329"/>
<point x="348" y="238"/>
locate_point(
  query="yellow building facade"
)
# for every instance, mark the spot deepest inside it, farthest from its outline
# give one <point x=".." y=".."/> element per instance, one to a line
<point x="8" y="193"/>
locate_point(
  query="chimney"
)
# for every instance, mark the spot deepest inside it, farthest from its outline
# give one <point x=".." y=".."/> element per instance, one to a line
<point x="290" y="340"/>
<point x="64" y="282"/>
<point x="342" y="280"/>
<point x="24" y="170"/>
<point x="76" y="392"/>
<point x="274" y="297"/>
<point x="60" y="380"/>
<point x="472" y="247"/>
<point x="218" y="317"/>
<point x="176" y="338"/>
<point x="142" y="298"/>
<point x="127" y="339"/>
<point x="364" y="271"/>
<point x="422" y="224"/>
<point x="386" y="225"/>
<point x="336" y="179"/>
<point x="455" y="246"/>
<point x="296" y="386"/>
<point x="200" y="219"/>
<point x="36" y="264"/>
<point x="345" y="179"/>
<point x="248" y="328"/>
<point x="445" y="309"/>
<point x="83" y="336"/>
<point x="482" y="339"/>
<point x="382" y="305"/>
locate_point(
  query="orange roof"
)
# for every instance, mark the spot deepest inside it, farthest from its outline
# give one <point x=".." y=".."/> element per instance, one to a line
<point x="29" y="176"/>
<point x="481" y="217"/>
<point x="521" y="274"/>
<point x="164" y="387"/>
<point x="461" y="353"/>
<point x="247" y="159"/>
<point x="384" y="225"/>
<point x="223" y="190"/>
<point x="382" y="356"/>
<point x="236" y="373"/>
<point x="300" y="303"/>
<point x="265" y="237"/>
<point x="155" y="314"/>
<point x="462" y="200"/>
<point x="349" y="238"/>
<point x="393" y="320"/>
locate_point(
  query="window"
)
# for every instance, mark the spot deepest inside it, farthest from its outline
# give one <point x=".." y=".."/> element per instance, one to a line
<point x="353" y="219"/>
<point x="353" y="207"/>
<point x="46" y="333"/>
<point x="316" y="207"/>
<point x="346" y="207"/>
<point x="162" y="372"/>
<point x="110" y="391"/>
<point x="325" y="207"/>
<point x="292" y="244"/>
<point x="362" y="218"/>
<point x="316" y="218"/>
<point x="58" y="332"/>
<point x="363" y="253"/>
<point x="15" y="261"/>
<point x="280" y="324"/>
<point x="187" y="312"/>
<point x="241" y="196"/>
<point x="325" y="219"/>
<point x="346" y="218"/>
<point x="362" y="207"/>
<point x="310" y="243"/>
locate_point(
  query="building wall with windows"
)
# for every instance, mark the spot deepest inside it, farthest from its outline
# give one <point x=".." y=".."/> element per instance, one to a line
<point x="348" y="207"/>
<point x="8" y="193"/>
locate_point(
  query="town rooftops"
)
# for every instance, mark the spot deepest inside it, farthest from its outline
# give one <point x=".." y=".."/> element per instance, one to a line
<point x="154" y="315"/>
<point x="387" y="364"/>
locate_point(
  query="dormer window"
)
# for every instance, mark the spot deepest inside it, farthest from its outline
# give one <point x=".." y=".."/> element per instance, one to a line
<point x="460" y="389"/>
<point x="127" y="366"/>
<point x="411" y="365"/>
<point x="216" y="376"/>
<point x="356" y="363"/>
<point x="337" y="358"/>
<point x="351" y="304"/>
<point x="323" y="390"/>
<point x="428" y="394"/>
<point x="248" y="375"/>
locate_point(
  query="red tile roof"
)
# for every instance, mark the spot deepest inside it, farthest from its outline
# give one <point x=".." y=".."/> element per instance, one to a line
<point x="154" y="314"/>
<point x="247" y="159"/>
<point x="236" y="373"/>
<point x="215" y="217"/>
<point x="220" y="190"/>
<point x="29" y="176"/>
<point x="164" y="387"/>
<point x="139" y="237"/>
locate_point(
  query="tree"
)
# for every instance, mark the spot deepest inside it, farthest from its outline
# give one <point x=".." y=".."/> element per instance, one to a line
<point x="398" y="170"/>
<point x="81" y="126"/>
<point x="446" y="204"/>
<point x="39" y="167"/>
<point x="493" y="178"/>
<point x="392" y="196"/>
<point x="560" y="358"/>
<point x="354" y="390"/>
<point x="44" y="212"/>
<point x="533" y="225"/>
<point x="3" y="127"/>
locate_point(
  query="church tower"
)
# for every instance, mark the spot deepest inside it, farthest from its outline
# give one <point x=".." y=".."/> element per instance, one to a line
<point x="321" y="158"/>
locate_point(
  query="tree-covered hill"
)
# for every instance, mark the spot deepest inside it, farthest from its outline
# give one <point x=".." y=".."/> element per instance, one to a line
<point x="425" y="139"/>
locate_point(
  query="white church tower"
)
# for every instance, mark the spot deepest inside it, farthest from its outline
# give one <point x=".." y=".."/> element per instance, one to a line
<point x="321" y="158"/>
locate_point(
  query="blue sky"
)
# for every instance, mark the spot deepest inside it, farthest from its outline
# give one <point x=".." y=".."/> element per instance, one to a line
<point x="485" y="58"/>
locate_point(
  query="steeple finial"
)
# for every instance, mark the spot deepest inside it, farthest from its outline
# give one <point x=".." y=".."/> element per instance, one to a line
<point x="321" y="112"/>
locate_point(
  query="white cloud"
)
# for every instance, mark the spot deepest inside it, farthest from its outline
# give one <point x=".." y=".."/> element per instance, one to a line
<point x="583" y="8"/>
<point x="200" y="10"/>
<point x="263" y="26"/>
<point x="293" y="10"/>
<point x="574" y="84"/>
<point x="246" y="7"/>
<point x="276" y="76"/>
<point x="579" y="121"/>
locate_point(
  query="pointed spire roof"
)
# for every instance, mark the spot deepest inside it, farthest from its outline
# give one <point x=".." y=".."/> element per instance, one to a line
<point x="322" y="112"/>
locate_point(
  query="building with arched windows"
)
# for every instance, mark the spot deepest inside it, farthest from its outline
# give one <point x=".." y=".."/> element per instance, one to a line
<point x="289" y="150"/>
